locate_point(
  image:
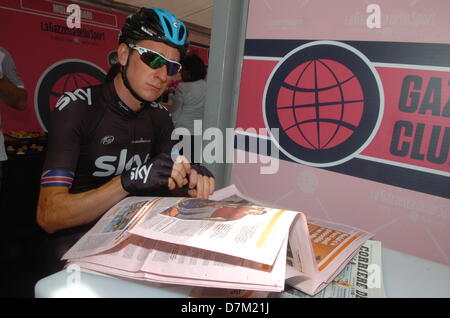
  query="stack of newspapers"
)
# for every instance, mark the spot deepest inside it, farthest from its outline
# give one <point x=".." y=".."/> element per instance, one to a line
<point x="227" y="242"/>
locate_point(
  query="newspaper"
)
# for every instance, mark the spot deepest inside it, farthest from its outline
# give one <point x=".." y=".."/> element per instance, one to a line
<point x="361" y="278"/>
<point x="207" y="250"/>
<point x="231" y="244"/>
<point x="317" y="252"/>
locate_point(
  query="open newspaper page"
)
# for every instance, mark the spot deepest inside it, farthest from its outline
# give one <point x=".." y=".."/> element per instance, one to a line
<point x="144" y="259"/>
<point x="121" y="243"/>
<point x="360" y="278"/>
<point x="316" y="257"/>
<point x="112" y="228"/>
<point x="238" y="229"/>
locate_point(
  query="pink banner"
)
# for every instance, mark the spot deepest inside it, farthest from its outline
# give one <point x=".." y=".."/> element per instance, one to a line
<point x="400" y="21"/>
<point x="408" y="221"/>
<point x="414" y="130"/>
<point x="52" y="58"/>
<point x="359" y="94"/>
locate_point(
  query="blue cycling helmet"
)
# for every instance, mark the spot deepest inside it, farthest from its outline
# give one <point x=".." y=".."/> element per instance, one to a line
<point x="155" y="24"/>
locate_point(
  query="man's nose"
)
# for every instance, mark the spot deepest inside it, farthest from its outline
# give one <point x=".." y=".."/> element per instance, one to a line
<point x="161" y="73"/>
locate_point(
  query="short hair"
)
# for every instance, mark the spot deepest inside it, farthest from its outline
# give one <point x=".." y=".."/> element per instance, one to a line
<point x="194" y="68"/>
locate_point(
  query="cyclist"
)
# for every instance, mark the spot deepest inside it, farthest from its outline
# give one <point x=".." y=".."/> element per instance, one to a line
<point x="113" y="140"/>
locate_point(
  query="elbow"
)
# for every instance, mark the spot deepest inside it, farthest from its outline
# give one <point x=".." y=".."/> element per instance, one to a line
<point x="43" y="222"/>
<point x="22" y="106"/>
<point x="22" y="102"/>
<point x="18" y="103"/>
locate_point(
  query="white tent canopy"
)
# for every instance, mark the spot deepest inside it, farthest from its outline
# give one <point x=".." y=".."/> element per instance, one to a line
<point x="195" y="12"/>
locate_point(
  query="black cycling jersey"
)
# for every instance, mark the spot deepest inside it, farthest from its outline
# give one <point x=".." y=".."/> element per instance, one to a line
<point x="95" y="136"/>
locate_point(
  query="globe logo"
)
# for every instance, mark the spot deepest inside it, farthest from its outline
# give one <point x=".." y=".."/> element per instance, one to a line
<point x="312" y="109"/>
<point x="326" y="99"/>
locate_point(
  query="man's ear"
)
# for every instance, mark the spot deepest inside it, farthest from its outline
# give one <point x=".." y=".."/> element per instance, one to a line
<point x="122" y="53"/>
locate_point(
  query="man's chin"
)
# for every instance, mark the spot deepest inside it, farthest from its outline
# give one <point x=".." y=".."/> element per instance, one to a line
<point x="150" y="98"/>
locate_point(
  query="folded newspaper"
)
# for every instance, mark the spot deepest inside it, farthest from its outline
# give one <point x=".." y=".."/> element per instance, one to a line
<point x="361" y="278"/>
<point x="228" y="242"/>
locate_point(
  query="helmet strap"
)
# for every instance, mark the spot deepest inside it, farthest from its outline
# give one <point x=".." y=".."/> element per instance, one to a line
<point x="123" y="71"/>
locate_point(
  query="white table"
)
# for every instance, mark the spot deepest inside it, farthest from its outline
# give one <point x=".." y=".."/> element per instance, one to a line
<point x="404" y="276"/>
<point x="410" y="276"/>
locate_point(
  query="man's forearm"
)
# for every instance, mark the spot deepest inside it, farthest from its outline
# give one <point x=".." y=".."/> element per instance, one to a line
<point x="12" y="95"/>
<point x="58" y="209"/>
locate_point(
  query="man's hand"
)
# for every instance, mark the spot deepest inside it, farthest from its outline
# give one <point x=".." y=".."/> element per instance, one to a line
<point x="181" y="168"/>
<point x="160" y="173"/>
<point x="201" y="182"/>
<point x="151" y="176"/>
<point x="163" y="173"/>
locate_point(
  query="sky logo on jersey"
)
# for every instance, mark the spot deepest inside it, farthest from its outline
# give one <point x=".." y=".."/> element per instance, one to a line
<point x="326" y="98"/>
<point x="141" y="173"/>
<point x="113" y="165"/>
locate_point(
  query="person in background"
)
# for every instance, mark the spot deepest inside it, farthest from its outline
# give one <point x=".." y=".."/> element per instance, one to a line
<point x="188" y="101"/>
<point x="113" y="140"/>
<point x="12" y="94"/>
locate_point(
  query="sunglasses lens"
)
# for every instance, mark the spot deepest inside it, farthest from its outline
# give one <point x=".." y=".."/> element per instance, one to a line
<point x="153" y="60"/>
<point x="172" y="68"/>
<point x="156" y="61"/>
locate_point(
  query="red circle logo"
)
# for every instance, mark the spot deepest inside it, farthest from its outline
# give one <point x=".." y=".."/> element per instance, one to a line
<point x="325" y="100"/>
<point x="320" y="112"/>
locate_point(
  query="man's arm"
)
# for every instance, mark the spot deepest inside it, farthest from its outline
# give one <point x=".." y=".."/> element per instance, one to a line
<point x="14" y="96"/>
<point x="58" y="209"/>
<point x="11" y="86"/>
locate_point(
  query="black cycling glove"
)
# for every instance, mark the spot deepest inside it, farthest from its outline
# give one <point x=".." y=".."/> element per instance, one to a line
<point x="202" y="170"/>
<point x="151" y="176"/>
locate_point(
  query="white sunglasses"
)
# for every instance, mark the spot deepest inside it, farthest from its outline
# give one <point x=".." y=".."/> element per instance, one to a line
<point x="155" y="60"/>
